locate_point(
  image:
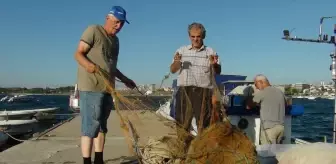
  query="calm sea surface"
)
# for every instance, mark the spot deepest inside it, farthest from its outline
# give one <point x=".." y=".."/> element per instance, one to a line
<point x="317" y="121"/>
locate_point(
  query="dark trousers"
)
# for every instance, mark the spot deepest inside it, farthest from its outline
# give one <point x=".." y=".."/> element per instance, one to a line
<point x="192" y="102"/>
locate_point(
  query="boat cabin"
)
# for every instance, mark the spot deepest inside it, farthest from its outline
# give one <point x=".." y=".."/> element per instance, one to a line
<point x="234" y="90"/>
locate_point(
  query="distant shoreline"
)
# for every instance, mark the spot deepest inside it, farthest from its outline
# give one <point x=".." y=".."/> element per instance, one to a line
<point x="40" y="94"/>
<point x="63" y="94"/>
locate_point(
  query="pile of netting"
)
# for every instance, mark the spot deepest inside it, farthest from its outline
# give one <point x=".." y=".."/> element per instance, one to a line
<point x="220" y="143"/>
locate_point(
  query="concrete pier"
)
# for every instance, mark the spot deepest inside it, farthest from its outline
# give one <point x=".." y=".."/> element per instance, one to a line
<point x="62" y="144"/>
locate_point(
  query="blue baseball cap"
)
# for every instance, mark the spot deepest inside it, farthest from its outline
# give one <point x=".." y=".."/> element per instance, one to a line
<point x="119" y="13"/>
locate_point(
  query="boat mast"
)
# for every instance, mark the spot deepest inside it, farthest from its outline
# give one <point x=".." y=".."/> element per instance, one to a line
<point x="322" y="38"/>
<point x="333" y="72"/>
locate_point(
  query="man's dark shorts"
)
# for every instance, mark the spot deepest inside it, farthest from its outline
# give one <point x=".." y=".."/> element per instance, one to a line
<point x="95" y="109"/>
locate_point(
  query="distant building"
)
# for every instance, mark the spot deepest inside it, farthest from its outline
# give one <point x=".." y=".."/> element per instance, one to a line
<point x="301" y="86"/>
<point x="152" y="87"/>
<point x="305" y="91"/>
<point x="322" y="83"/>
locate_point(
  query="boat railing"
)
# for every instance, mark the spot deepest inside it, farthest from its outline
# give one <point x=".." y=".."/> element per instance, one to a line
<point x="300" y="141"/>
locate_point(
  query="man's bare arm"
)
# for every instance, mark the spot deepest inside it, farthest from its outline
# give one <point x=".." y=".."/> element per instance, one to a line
<point x="217" y="68"/>
<point x="254" y="101"/>
<point x="175" y="67"/>
<point x="250" y="103"/>
<point x="80" y="56"/>
<point x="120" y="75"/>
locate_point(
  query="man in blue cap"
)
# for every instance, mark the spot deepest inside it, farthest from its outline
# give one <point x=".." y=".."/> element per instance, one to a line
<point x="98" y="47"/>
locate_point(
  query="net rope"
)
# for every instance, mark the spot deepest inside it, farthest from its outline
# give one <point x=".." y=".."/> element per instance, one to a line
<point x="219" y="143"/>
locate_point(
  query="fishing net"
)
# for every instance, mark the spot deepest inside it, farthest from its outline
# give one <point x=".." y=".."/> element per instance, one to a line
<point x="219" y="143"/>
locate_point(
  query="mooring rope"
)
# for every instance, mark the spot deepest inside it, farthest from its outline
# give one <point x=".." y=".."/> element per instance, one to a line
<point x="9" y="135"/>
<point x="30" y="139"/>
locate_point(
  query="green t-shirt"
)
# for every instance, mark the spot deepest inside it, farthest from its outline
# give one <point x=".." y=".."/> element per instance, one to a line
<point x="104" y="53"/>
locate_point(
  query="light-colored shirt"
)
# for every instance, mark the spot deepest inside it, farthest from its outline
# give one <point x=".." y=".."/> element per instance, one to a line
<point x="195" y="69"/>
<point x="272" y="106"/>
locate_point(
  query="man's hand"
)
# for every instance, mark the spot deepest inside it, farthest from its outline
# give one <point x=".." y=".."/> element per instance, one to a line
<point x="177" y="57"/>
<point x="90" y="67"/>
<point x="213" y="59"/>
<point x="129" y="83"/>
<point x="176" y="65"/>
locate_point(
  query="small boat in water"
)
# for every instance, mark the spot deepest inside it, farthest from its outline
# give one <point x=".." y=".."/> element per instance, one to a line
<point x="40" y="114"/>
<point x="17" y="127"/>
<point x="16" y="98"/>
<point x="25" y="107"/>
<point x="311" y="97"/>
<point x="234" y="89"/>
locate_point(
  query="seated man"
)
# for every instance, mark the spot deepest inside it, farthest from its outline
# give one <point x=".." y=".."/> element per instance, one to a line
<point x="272" y="110"/>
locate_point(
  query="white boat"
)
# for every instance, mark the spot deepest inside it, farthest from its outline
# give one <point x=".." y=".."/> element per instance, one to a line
<point x="20" y="107"/>
<point x="311" y="97"/>
<point x="19" y="114"/>
<point x="15" y="127"/>
<point x="17" y="98"/>
<point x="40" y="114"/>
<point x="74" y="100"/>
<point x="3" y="98"/>
<point x="237" y="114"/>
<point x="16" y="115"/>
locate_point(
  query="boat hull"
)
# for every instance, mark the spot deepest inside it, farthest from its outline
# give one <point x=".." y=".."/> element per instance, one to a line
<point x="40" y="114"/>
<point x="17" y="127"/>
<point x="46" y="113"/>
<point x="16" y="115"/>
<point x="3" y="138"/>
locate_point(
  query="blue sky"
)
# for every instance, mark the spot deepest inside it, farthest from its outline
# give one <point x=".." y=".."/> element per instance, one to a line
<point x="39" y="38"/>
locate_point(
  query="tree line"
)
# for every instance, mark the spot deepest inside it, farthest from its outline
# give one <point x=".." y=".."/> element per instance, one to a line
<point x="291" y="91"/>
